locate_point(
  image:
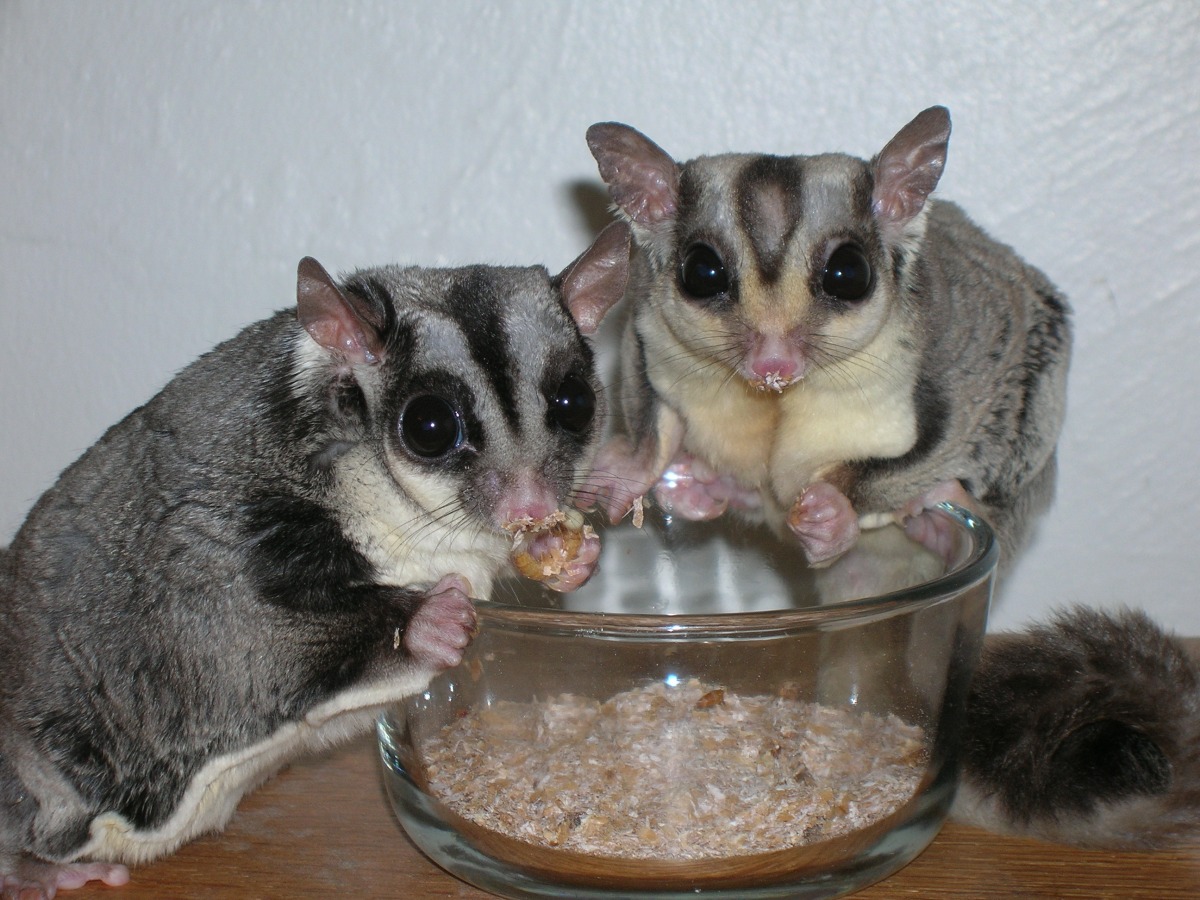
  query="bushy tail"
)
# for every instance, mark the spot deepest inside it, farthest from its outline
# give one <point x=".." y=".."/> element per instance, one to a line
<point x="1085" y="730"/>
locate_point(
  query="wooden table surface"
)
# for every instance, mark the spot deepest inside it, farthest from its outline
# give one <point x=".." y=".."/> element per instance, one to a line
<point x="324" y="828"/>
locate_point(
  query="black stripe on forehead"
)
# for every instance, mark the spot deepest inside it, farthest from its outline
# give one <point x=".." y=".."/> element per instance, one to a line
<point x="689" y="188"/>
<point x="768" y="197"/>
<point x="477" y="307"/>
<point x="862" y="191"/>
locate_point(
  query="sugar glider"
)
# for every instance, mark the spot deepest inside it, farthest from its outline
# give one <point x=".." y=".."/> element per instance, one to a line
<point x="281" y="542"/>
<point x="816" y="342"/>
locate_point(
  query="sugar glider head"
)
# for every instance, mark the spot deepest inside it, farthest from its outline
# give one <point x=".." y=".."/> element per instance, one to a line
<point x="775" y="266"/>
<point x="465" y="397"/>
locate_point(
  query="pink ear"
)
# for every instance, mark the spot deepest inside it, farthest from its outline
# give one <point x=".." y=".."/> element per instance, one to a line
<point x="642" y="180"/>
<point x="908" y="168"/>
<point x="596" y="280"/>
<point x="332" y="319"/>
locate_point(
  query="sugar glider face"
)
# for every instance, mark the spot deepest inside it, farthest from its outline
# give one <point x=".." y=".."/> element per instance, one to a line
<point x="469" y="398"/>
<point x="491" y="382"/>
<point x="777" y="266"/>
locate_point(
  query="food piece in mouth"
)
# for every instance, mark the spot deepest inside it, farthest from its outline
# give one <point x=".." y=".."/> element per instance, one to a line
<point x="545" y="548"/>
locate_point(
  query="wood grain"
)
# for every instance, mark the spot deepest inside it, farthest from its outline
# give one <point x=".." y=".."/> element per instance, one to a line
<point x="325" y="828"/>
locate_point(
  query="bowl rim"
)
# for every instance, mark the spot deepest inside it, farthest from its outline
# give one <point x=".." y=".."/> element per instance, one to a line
<point x="979" y="566"/>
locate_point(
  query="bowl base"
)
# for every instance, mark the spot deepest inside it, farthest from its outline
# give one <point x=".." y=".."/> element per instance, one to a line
<point x="427" y="827"/>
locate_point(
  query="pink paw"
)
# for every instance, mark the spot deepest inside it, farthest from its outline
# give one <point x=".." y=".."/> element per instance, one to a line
<point x="692" y="489"/>
<point x="824" y="521"/>
<point x="618" y="477"/>
<point x="580" y="568"/>
<point x="41" y="881"/>
<point x="934" y="532"/>
<point x="443" y="625"/>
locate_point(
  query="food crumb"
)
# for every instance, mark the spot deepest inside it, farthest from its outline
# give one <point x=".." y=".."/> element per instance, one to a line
<point x="773" y="381"/>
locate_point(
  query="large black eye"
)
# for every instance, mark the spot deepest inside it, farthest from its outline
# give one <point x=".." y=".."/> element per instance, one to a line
<point x="573" y="404"/>
<point x="430" y="426"/>
<point x="702" y="273"/>
<point x="847" y="275"/>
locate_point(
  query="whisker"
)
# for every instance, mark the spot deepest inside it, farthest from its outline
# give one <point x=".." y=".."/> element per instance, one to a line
<point x="853" y="355"/>
<point x="408" y="537"/>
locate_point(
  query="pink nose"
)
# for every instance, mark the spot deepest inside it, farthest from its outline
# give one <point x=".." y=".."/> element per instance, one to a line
<point x="525" y="496"/>
<point x="774" y="360"/>
<point x="785" y="367"/>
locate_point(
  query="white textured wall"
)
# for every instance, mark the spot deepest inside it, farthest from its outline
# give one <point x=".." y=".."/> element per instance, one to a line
<point x="164" y="165"/>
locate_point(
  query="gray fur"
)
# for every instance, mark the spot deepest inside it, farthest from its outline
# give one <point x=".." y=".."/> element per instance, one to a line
<point x="1082" y="731"/>
<point x="257" y="560"/>
<point x="1086" y="730"/>
<point x="983" y="338"/>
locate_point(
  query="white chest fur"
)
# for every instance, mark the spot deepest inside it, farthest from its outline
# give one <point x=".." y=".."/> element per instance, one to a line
<point x="862" y="407"/>
<point x="411" y="526"/>
<point x="825" y="424"/>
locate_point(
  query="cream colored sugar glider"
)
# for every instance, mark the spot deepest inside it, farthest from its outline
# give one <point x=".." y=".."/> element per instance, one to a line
<point x="817" y="342"/>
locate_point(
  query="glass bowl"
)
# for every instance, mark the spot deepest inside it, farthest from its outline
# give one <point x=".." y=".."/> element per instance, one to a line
<point x="707" y="716"/>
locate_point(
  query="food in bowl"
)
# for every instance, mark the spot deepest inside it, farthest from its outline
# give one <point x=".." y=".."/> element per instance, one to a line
<point x="681" y="772"/>
<point x="707" y="716"/>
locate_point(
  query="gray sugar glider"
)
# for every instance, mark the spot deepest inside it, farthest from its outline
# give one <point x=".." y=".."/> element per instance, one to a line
<point x="280" y="543"/>
<point x="816" y="343"/>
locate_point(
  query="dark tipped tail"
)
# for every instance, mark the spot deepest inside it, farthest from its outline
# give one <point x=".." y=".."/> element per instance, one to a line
<point x="1085" y="730"/>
